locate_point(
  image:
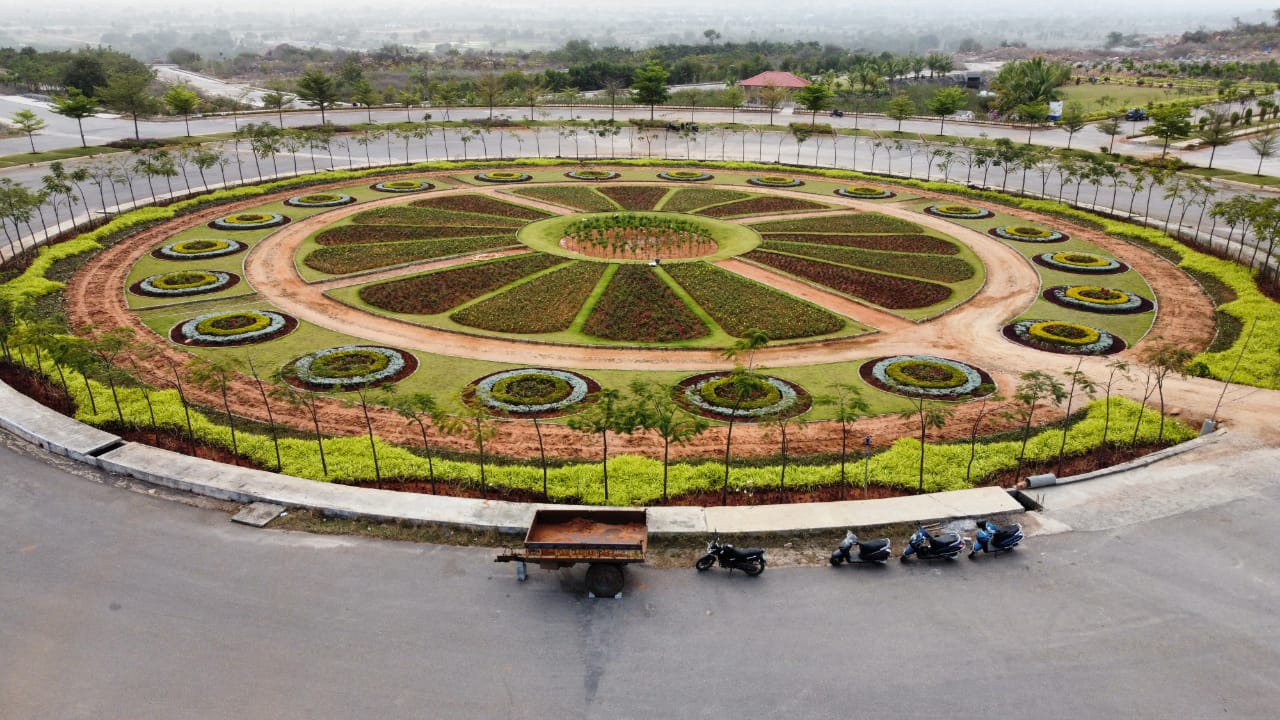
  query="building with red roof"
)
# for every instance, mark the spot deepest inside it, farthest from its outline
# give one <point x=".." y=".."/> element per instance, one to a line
<point x="777" y="78"/>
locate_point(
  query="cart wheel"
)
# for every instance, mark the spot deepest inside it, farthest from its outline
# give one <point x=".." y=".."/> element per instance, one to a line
<point x="604" y="580"/>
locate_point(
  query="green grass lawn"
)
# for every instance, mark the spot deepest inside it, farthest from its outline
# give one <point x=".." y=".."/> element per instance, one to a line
<point x="8" y="161"/>
<point x="1122" y="96"/>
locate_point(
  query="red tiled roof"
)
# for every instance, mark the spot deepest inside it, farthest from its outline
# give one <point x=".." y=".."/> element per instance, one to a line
<point x="777" y="78"/>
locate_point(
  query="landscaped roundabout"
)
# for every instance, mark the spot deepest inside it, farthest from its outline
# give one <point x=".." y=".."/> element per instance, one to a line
<point x="485" y="327"/>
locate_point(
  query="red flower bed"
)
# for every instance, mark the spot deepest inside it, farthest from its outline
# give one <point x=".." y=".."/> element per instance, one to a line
<point x="481" y="204"/>
<point x="929" y="267"/>
<point x="354" y="258"/>
<point x="578" y="197"/>
<point x="762" y="206"/>
<point x="363" y="234"/>
<point x="852" y="222"/>
<point x="634" y="197"/>
<point x="438" y="291"/>
<point x="890" y="292"/>
<point x="694" y="198"/>
<point x="431" y="216"/>
<point x="639" y="307"/>
<point x="557" y="297"/>
<point x="922" y="244"/>
<point x="739" y="304"/>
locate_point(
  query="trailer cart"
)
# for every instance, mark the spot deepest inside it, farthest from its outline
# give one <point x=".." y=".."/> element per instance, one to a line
<point x="604" y="539"/>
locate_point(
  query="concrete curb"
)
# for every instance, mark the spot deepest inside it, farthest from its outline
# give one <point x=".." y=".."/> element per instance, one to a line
<point x="65" y="436"/>
<point x="1039" y="481"/>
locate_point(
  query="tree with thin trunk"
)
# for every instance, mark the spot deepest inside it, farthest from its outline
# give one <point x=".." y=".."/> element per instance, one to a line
<point x="1072" y="120"/>
<point x="77" y="106"/>
<point x="29" y="123"/>
<point x="653" y="409"/>
<point x="772" y="97"/>
<point x="931" y="416"/>
<point x="278" y="101"/>
<point x="271" y="418"/>
<point x="649" y="86"/>
<point x="318" y="89"/>
<point x="1114" y="368"/>
<point x="1264" y="144"/>
<point x="607" y="414"/>
<point x="742" y="381"/>
<point x="1036" y="386"/>
<point x="108" y="346"/>
<point x="1085" y="384"/>
<point x="850" y="407"/>
<point x="477" y="426"/>
<point x="901" y="107"/>
<point x="362" y="399"/>
<point x="283" y="390"/>
<point x="418" y="408"/>
<point x="947" y="101"/>
<point x="1215" y="131"/>
<point x="182" y="100"/>
<point x="216" y="376"/>
<point x="1110" y="127"/>
<point x="987" y="402"/>
<point x="128" y="93"/>
<point x="1148" y="389"/>
<point x="1164" y="359"/>
<point x="815" y="97"/>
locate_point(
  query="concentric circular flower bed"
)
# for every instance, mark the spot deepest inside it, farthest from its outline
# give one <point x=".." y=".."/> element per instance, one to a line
<point x="685" y="175"/>
<point x="351" y="366"/>
<point x="913" y="375"/>
<point x="1098" y="299"/>
<point x="959" y="212"/>
<point x="530" y="392"/>
<point x="184" y="282"/>
<point x="504" y="176"/>
<point x="237" y="327"/>
<point x="320" y="200"/>
<point x="249" y="221"/>
<point x="865" y="192"/>
<point x="591" y="174"/>
<point x="1063" y="337"/>
<point x="1023" y="233"/>
<point x="777" y="181"/>
<point x="402" y="186"/>
<point x="1081" y="262"/>
<point x="201" y="249"/>
<point x="713" y="395"/>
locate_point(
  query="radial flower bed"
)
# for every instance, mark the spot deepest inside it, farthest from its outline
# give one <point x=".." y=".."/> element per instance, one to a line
<point x="530" y="392"/>
<point x="1063" y="337"/>
<point x="947" y="269"/>
<point x="928" y="375"/>
<point x="714" y="395"/>
<point x="761" y="206"/>
<point x="637" y="306"/>
<point x="689" y="199"/>
<point x="444" y="289"/>
<point x="236" y="327"/>
<point x="634" y="197"/>
<point x="199" y="249"/>
<point x="740" y="305"/>
<point x="1081" y="262"/>
<point x="591" y="174"/>
<point x="504" y="176"/>
<point x="776" y="181"/>
<point x="349" y="367"/>
<point x="343" y="259"/>
<point x="864" y="192"/>
<point x="959" y="212"/>
<point x="557" y="297"/>
<point x="184" y="282"/>
<point x="1092" y="298"/>
<point x="857" y="223"/>
<point x="432" y="217"/>
<point x="1024" y="233"/>
<point x="362" y="234"/>
<point x="320" y="200"/>
<point x="483" y="204"/>
<point x="919" y="244"/>
<point x="685" y="175"/>
<point x="249" y="221"/>
<point x="887" y="291"/>
<point x="402" y="186"/>
<point x="578" y="197"/>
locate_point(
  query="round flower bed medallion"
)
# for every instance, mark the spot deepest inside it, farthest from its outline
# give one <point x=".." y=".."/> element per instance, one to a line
<point x="237" y="327"/>
<point x="320" y="200"/>
<point x="184" y="282"/>
<point x="202" y="249"/>
<point x="530" y="392"/>
<point x="1081" y="262"/>
<point x="714" y="395"/>
<point x="959" y="212"/>
<point x="927" y="375"/>
<point x="1063" y="337"/>
<point x="778" y="181"/>
<point x="864" y="192"/>
<point x="1023" y="233"/>
<point x="249" y="221"/>
<point x="402" y="186"/>
<point x="1097" y="299"/>
<point x="351" y="366"/>
<point x="685" y="175"/>
<point x="504" y="176"/>
<point x="591" y="174"/>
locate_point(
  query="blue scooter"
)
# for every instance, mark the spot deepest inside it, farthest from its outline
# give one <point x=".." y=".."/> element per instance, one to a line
<point x="995" y="539"/>
<point x="928" y="547"/>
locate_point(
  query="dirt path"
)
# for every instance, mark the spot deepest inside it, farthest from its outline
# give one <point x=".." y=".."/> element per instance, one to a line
<point x="970" y="333"/>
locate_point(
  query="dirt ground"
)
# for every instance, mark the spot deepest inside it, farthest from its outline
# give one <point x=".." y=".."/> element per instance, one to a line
<point x="970" y="332"/>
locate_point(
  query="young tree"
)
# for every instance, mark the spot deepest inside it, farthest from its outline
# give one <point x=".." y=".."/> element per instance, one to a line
<point x="815" y="97"/>
<point x="654" y="410"/>
<point x="1264" y="144"/>
<point x="850" y="406"/>
<point x="612" y="88"/>
<point x="772" y="96"/>
<point x="362" y="399"/>
<point x="416" y="408"/>
<point x="1088" y="387"/>
<point x="182" y="100"/>
<point x="216" y="376"/>
<point x="1169" y="123"/>
<point x="1165" y="358"/>
<point x="107" y="347"/>
<point x="30" y="123"/>
<point x="318" y="89"/>
<point x="1110" y="127"/>
<point x="932" y="416"/>
<point x="1032" y="114"/>
<point x="1037" y="386"/>
<point x="1215" y="131"/>
<point x="77" y="106"/>
<point x="1115" y="367"/>
<point x="128" y="93"/>
<point x="277" y="100"/>
<point x="606" y="415"/>
<point x="282" y="389"/>
<point x="1072" y="120"/>
<point x="945" y="102"/>
<point x="732" y="97"/>
<point x="901" y="107"/>
<point x="987" y="400"/>
<point x="649" y="86"/>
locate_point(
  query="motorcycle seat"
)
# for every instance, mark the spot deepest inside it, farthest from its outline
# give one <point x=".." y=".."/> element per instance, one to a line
<point x="872" y="546"/>
<point x="745" y="553"/>
<point x="1007" y="532"/>
<point x="942" y="541"/>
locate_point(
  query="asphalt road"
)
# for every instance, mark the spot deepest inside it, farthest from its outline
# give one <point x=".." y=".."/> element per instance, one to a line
<point x="117" y="604"/>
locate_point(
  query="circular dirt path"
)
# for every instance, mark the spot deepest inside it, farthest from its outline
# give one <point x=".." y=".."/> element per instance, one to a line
<point x="95" y="295"/>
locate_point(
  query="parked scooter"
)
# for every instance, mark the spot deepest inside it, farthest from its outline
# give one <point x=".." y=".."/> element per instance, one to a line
<point x="929" y="547"/>
<point x="749" y="561"/>
<point x="994" y="539"/>
<point x="852" y="550"/>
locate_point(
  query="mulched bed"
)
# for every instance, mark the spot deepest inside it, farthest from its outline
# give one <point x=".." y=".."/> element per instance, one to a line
<point x="410" y="366"/>
<point x="593" y="390"/>
<point x="803" y="402"/>
<point x="232" y="281"/>
<point x="241" y="247"/>
<point x="177" y="338"/>
<point x="1117" y="343"/>
<point x="864" y="372"/>
<point x="1144" y="304"/>
<point x="1081" y="271"/>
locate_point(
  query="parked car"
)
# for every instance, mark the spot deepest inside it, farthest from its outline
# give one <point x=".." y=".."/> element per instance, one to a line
<point x="837" y="113"/>
<point x="1136" y="114"/>
<point x="963" y="116"/>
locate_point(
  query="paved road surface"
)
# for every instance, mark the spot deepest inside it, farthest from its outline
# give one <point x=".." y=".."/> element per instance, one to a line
<point x="114" y="604"/>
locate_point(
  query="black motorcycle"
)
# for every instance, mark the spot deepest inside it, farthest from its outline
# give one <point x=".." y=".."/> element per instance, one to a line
<point x="930" y="547"/>
<point x="749" y="561"/>
<point x="853" y="550"/>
